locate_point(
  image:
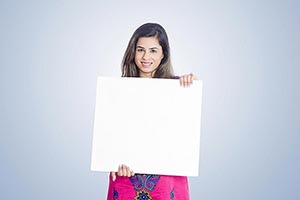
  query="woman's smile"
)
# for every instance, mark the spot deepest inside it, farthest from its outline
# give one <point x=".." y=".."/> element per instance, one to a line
<point x="146" y="63"/>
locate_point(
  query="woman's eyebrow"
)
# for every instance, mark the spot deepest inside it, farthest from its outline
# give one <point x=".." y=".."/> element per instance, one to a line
<point x="151" y="48"/>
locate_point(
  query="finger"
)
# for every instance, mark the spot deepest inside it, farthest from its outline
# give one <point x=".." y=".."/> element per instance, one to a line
<point x="190" y="79"/>
<point x="132" y="173"/>
<point x="120" y="171"/>
<point x="128" y="172"/>
<point x="186" y="81"/>
<point x="181" y="80"/>
<point x="124" y="169"/>
<point x="113" y="175"/>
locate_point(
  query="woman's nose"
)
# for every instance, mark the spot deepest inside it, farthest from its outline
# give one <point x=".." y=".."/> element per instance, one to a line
<point x="146" y="55"/>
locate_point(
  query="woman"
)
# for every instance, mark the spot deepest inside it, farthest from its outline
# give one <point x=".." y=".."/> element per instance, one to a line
<point x="148" y="56"/>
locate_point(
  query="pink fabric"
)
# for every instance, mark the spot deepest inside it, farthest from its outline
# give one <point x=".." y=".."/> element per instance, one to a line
<point x="148" y="187"/>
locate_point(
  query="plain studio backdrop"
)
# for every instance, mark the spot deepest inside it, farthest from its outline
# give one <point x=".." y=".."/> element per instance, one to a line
<point x="246" y="53"/>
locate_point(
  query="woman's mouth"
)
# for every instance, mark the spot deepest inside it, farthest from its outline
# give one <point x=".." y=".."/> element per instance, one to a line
<point x="146" y="64"/>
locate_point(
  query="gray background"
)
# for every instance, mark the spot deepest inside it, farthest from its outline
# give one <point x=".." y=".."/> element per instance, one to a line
<point x="246" y="53"/>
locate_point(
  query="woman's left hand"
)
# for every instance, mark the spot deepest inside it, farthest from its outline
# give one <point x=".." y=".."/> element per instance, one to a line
<point x="187" y="80"/>
<point x="123" y="170"/>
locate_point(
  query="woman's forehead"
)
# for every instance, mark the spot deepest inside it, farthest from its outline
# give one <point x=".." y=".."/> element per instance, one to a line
<point x="148" y="41"/>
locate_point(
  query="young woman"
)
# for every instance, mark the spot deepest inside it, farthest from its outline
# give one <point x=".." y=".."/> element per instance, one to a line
<point x="148" y="56"/>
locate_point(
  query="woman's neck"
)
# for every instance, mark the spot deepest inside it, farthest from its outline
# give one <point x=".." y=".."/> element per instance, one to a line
<point x="147" y="75"/>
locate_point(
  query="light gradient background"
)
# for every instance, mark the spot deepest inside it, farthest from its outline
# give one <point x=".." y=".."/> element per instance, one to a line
<point x="246" y="53"/>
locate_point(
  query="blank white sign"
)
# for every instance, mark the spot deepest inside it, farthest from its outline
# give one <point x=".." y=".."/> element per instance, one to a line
<point x="151" y="125"/>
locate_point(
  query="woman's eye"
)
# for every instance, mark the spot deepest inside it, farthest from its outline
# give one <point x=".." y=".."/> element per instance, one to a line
<point x="140" y="50"/>
<point x="153" y="51"/>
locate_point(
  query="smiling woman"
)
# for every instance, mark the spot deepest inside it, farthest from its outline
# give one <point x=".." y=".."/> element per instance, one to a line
<point x="148" y="56"/>
<point x="148" y="53"/>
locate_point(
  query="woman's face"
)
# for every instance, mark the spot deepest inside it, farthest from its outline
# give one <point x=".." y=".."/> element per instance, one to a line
<point x="148" y="55"/>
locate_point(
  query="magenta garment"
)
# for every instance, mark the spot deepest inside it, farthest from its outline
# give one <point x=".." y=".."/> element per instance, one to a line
<point x="148" y="187"/>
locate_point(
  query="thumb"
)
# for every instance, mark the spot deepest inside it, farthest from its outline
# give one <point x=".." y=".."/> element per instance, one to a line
<point x="113" y="175"/>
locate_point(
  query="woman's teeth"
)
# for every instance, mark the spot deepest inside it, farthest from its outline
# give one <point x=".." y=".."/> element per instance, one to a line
<point x="146" y="63"/>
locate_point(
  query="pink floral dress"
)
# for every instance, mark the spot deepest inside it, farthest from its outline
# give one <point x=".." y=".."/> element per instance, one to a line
<point x="148" y="187"/>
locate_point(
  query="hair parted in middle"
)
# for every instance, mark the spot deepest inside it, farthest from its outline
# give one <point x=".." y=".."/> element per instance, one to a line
<point x="165" y="69"/>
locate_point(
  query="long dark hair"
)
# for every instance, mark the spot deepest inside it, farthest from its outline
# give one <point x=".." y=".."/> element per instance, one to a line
<point x="165" y="69"/>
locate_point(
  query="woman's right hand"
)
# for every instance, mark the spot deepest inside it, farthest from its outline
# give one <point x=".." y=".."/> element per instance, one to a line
<point x="187" y="80"/>
<point x="123" y="170"/>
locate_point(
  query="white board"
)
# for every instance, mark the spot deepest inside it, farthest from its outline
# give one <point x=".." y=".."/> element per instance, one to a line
<point x="151" y="125"/>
